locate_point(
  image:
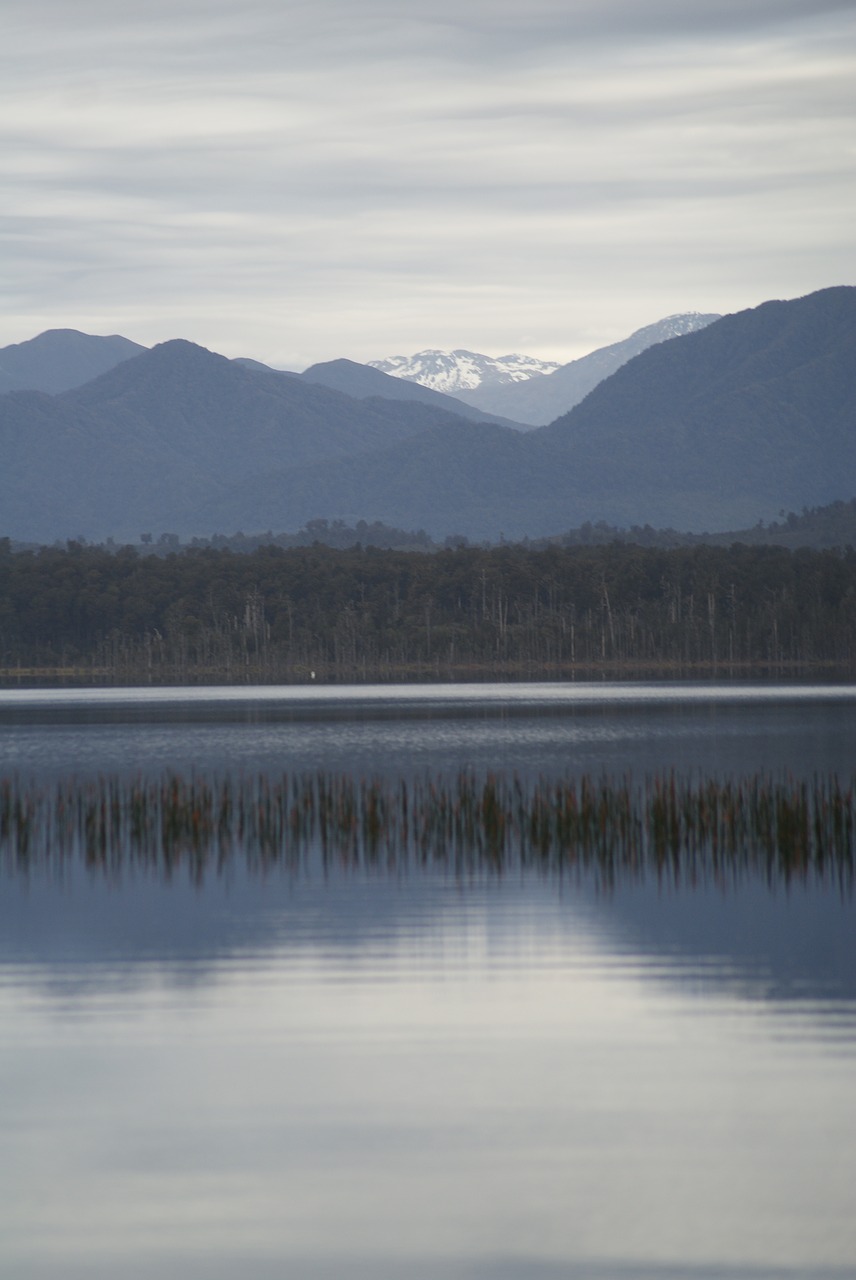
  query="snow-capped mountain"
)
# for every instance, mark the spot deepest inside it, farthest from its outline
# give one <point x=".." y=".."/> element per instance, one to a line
<point x="453" y="371"/>
<point x="672" y="327"/>
<point x="537" y="401"/>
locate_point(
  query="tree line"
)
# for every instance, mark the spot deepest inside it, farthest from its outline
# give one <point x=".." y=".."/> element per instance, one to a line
<point x="365" y="613"/>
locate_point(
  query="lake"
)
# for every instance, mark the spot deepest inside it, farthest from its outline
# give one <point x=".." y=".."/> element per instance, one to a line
<point x="234" y="1065"/>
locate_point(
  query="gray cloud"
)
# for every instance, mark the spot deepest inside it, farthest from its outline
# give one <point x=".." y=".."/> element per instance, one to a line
<point x="298" y="181"/>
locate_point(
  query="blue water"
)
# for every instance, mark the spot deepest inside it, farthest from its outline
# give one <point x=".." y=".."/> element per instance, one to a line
<point x="335" y="1073"/>
<point x="531" y="728"/>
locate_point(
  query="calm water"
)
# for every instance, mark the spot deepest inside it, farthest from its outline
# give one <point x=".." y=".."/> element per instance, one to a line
<point x="356" y="1074"/>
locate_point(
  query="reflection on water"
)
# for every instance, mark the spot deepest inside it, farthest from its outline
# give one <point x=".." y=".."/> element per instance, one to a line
<point x="677" y="830"/>
<point x="527" y="728"/>
<point x="335" y="1072"/>
<point x="412" y="1080"/>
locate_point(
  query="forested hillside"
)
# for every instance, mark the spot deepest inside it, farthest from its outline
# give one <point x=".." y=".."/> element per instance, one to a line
<point x="60" y="359"/>
<point x="749" y="416"/>
<point x="830" y="526"/>
<point x="366" y="613"/>
<point x="753" y="413"/>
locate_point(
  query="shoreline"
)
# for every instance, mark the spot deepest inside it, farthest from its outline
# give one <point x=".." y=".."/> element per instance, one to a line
<point x="84" y="676"/>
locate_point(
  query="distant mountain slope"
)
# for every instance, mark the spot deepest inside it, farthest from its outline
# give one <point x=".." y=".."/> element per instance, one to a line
<point x="461" y="370"/>
<point x="248" y="363"/>
<point x="145" y="443"/>
<point x="227" y="415"/>
<point x="457" y="477"/>
<point x="365" y="381"/>
<point x="714" y="430"/>
<point x="540" y="400"/>
<point x="751" y="414"/>
<point x="60" y="359"/>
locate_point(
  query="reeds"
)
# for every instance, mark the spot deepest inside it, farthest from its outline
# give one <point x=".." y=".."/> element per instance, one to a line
<point x="684" y="830"/>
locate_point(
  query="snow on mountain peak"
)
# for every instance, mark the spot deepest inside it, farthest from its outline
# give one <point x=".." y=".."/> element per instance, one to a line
<point x="677" y="325"/>
<point x="460" y="370"/>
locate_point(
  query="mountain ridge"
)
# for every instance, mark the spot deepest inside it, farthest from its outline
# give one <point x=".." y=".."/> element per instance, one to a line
<point x="366" y="382"/>
<point x="59" y="359"/>
<point x="733" y="450"/>
<point x="158" y="434"/>
<point x="538" y="402"/>
<point x="715" y="429"/>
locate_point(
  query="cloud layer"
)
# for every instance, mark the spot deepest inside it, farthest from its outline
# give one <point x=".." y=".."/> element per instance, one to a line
<point x="299" y="181"/>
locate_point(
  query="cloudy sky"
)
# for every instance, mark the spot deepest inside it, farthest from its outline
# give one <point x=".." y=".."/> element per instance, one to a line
<point x="303" y="179"/>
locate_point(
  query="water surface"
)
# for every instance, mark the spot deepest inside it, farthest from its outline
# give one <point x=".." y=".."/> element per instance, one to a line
<point x="527" y="727"/>
<point x="326" y="1071"/>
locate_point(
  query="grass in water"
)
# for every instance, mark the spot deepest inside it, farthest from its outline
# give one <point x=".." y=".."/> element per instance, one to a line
<point x="685" y="831"/>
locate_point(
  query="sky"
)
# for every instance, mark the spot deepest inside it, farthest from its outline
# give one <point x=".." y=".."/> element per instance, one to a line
<point x="299" y="180"/>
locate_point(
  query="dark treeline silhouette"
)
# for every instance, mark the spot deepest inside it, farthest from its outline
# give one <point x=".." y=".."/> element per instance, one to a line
<point x="826" y="527"/>
<point x="830" y="526"/>
<point x="364" y="613"/>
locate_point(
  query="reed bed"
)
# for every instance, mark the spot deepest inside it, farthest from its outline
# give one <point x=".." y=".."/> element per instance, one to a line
<point x="683" y="830"/>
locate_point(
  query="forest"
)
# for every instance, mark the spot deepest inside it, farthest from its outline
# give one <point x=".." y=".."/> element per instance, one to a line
<point x="83" y="614"/>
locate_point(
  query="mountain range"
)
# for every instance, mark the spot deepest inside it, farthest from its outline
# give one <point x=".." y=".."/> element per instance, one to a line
<point x="534" y="400"/>
<point x="168" y="431"/>
<point x="364" y="382"/>
<point x="714" y="429"/>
